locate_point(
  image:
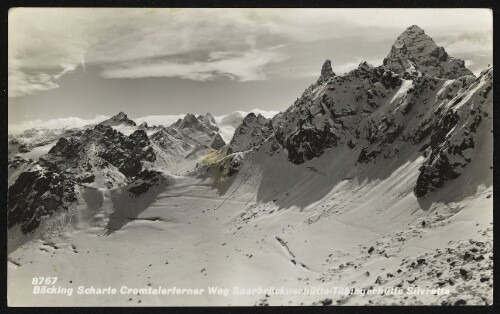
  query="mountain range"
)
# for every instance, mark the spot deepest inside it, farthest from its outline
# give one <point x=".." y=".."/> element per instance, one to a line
<point x="394" y="160"/>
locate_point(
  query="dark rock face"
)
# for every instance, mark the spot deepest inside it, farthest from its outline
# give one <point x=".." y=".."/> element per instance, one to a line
<point x="365" y="156"/>
<point x="218" y="142"/>
<point x="434" y="173"/>
<point x="36" y="194"/>
<point x="453" y="138"/>
<point x="125" y="153"/>
<point x="23" y="148"/>
<point x="335" y="113"/>
<point x="145" y="180"/>
<point x="65" y="148"/>
<point x="326" y="72"/>
<point x="140" y="137"/>
<point x="309" y="143"/>
<point x="415" y="50"/>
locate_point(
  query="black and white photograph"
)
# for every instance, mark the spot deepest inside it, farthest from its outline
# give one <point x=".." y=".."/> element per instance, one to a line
<point x="249" y="157"/>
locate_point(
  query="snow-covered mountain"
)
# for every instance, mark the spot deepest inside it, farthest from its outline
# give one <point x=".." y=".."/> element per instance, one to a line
<point x="186" y="140"/>
<point x="102" y="157"/>
<point x="380" y="177"/>
<point x="380" y="115"/>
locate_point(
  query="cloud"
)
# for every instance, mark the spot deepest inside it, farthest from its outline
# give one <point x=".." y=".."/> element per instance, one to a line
<point x="164" y="120"/>
<point x="247" y="66"/>
<point x="469" y="42"/>
<point x="42" y="47"/>
<point x="69" y="122"/>
<point x="198" y="44"/>
<point x="23" y="83"/>
<point x="265" y="113"/>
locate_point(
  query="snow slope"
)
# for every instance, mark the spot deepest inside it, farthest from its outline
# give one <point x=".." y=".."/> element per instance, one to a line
<point x="193" y="237"/>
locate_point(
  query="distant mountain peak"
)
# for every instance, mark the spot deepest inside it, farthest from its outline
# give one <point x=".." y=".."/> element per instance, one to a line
<point x="414" y="50"/>
<point x="119" y="119"/>
<point x="205" y="123"/>
<point x="209" y="121"/>
<point x="189" y="119"/>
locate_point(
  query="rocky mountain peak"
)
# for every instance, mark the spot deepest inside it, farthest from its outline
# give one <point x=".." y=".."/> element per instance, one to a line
<point x="252" y="119"/>
<point x="415" y="36"/>
<point x="374" y="111"/>
<point x="119" y="119"/>
<point x="188" y="121"/>
<point x="121" y="115"/>
<point x="414" y="50"/>
<point x="414" y="29"/>
<point x="209" y="121"/>
<point x="204" y="123"/>
<point x="326" y="71"/>
<point x="249" y="117"/>
<point x="252" y="132"/>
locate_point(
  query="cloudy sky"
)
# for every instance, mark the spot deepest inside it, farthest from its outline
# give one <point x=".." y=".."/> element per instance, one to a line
<point x="88" y="63"/>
